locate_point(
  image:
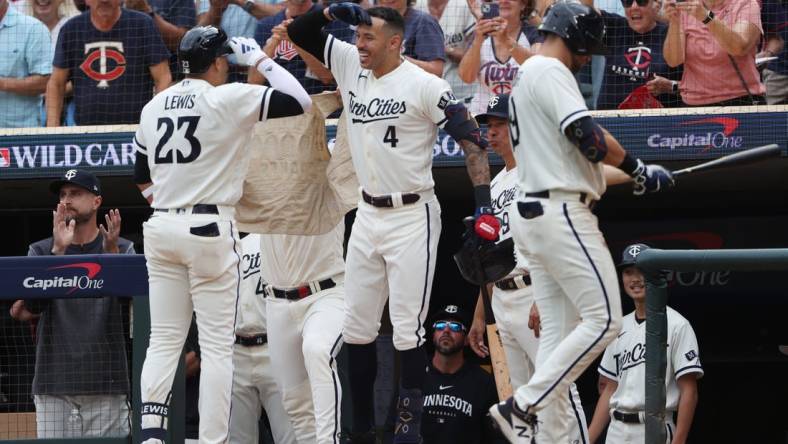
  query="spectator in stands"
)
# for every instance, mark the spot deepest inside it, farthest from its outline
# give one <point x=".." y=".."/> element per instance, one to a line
<point x="237" y="18"/>
<point x="271" y="34"/>
<point x="54" y="14"/>
<point x="25" y="65"/>
<point x="634" y="56"/>
<point x="716" y="41"/>
<point x="173" y="18"/>
<point x="81" y="350"/>
<point x="457" y="20"/>
<point x="457" y="393"/>
<point x="775" y="77"/>
<point x="498" y="48"/>
<point x="114" y="57"/>
<point x="423" y="41"/>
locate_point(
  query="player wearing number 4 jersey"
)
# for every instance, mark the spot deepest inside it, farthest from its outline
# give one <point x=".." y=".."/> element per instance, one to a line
<point x="393" y="110"/>
<point x="191" y="160"/>
<point x="560" y="151"/>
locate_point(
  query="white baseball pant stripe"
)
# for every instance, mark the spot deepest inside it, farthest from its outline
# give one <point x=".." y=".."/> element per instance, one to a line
<point x="391" y="255"/>
<point x="619" y="432"/>
<point x="572" y="274"/>
<point x="188" y="273"/>
<point x="301" y="336"/>
<point x="255" y="389"/>
<point x="521" y="347"/>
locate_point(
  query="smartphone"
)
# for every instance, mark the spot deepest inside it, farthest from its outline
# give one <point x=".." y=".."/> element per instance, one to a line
<point x="490" y="10"/>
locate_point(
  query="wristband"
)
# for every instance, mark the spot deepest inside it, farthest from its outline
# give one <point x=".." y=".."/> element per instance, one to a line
<point x="248" y="6"/>
<point x="147" y="192"/>
<point x="709" y="17"/>
<point x="481" y="194"/>
<point x="629" y="165"/>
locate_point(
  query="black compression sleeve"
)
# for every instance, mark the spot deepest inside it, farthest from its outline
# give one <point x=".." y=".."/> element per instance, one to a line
<point x="306" y="32"/>
<point x="283" y="105"/>
<point x="141" y="169"/>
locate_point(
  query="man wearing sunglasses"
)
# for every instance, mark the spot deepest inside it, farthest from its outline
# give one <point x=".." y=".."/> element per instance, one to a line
<point x="634" y="57"/>
<point x="457" y="393"/>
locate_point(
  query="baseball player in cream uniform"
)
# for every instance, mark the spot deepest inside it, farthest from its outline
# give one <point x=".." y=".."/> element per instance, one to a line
<point x="623" y="370"/>
<point x="393" y="109"/>
<point x="560" y="151"/>
<point x="513" y="296"/>
<point x="305" y="306"/>
<point x="254" y="385"/>
<point x="192" y="152"/>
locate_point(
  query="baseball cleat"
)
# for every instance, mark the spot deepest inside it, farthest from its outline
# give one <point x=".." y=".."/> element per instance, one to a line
<point x="516" y="425"/>
<point x="407" y="430"/>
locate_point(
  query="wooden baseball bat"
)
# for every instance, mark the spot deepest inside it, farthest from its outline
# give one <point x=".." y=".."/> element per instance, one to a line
<point x="741" y="158"/>
<point x="495" y="345"/>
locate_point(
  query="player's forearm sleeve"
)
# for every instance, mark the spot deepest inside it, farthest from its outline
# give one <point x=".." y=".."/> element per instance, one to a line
<point x="282" y="105"/>
<point x="141" y="169"/>
<point x="283" y="81"/>
<point x="307" y="33"/>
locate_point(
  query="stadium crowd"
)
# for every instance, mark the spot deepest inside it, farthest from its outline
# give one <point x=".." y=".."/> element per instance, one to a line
<point x="55" y="70"/>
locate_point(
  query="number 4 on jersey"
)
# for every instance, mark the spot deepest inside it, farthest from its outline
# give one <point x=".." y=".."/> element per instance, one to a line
<point x="391" y="136"/>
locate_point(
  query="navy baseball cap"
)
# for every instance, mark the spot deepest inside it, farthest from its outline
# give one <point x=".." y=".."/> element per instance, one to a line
<point x="497" y="106"/>
<point x="80" y="178"/>
<point x="630" y="254"/>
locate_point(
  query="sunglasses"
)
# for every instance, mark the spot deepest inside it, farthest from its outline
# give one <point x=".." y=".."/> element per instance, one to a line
<point x="455" y="327"/>
<point x="628" y="3"/>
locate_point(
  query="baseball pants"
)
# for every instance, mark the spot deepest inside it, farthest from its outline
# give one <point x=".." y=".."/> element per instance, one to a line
<point x="391" y="255"/>
<point x="619" y="432"/>
<point x="521" y="348"/>
<point x="255" y="389"/>
<point x="105" y="416"/>
<point x="573" y="276"/>
<point x="302" y="337"/>
<point x="191" y="272"/>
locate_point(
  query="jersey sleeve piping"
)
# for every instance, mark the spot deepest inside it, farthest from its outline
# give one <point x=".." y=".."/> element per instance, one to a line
<point x="607" y="373"/>
<point x="694" y="368"/>
<point x="140" y="147"/>
<point x="575" y="115"/>
<point x="329" y="48"/>
<point x="264" y="105"/>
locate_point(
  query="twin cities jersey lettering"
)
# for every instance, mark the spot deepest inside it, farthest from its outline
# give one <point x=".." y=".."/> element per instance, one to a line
<point x="624" y="361"/>
<point x="184" y="133"/>
<point x="503" y="191"/>
<point x="538" y="117"/>
<point x="251" y="306"/>
<point x="391" y="120"/>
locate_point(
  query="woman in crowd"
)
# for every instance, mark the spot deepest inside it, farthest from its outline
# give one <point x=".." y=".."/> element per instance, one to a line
<point x="716" y="41"/>
<point x="499" y="46"/>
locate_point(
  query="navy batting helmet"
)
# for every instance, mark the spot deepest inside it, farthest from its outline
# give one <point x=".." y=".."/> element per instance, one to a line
<point x="200" y="46"/>
<point x="630" y="254"/>
<point x="581" y="27"/>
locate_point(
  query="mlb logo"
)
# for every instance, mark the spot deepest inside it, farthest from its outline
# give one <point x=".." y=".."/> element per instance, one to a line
<point x="5" y="158"/>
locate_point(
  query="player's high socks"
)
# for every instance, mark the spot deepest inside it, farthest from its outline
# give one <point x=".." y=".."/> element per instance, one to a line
<point x="516" y="425"/>
<point x="410" y="404"/>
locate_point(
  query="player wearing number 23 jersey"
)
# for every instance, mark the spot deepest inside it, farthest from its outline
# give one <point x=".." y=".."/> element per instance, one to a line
<point x="191" y="158"/>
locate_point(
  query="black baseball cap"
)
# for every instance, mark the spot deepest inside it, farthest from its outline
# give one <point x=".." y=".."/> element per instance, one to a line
<point x="452" y="313"/>
<point x="497" y="106"/>
<point x="630" y="254"/>
<point x="82" y="178"/>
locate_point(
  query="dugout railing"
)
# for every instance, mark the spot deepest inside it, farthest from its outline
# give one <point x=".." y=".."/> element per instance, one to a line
<point x="654" y="262"/>
<point x="117" y="275"/>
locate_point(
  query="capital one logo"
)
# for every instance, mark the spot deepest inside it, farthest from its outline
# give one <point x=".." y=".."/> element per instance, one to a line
<point x="5" y="158"/>
<point x="75" y="282"/>
<point x="96" y="63"/>
<point x="722" y="138"/>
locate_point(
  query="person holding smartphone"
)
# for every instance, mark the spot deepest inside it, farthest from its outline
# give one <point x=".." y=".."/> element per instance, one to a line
<point x="501" y="43"/>
<point x="716" y="40"/>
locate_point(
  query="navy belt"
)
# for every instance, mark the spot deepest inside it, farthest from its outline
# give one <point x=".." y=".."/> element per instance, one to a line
<point x="629" y="418"/>
<point x="584" y="197"/>
<point x="387" y="201"/>
<point x="197" y="209"/>
<point x="249" y="341"/>
<point x="302" y="292"/>
<point x="514" y="282"/>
